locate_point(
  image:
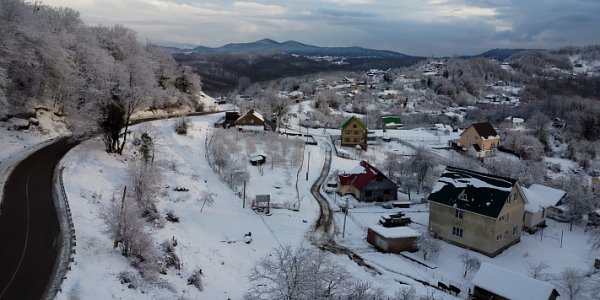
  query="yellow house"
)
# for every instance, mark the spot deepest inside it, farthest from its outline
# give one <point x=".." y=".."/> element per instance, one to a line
<point x="354" y="132"/>
<point x="478" y="211"/>
<point x="481" y="139"/>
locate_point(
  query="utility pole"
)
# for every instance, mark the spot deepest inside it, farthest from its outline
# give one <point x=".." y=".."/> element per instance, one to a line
<point x="244" y="199"/>
<point x="345" y="215"/>
<point x="308" y="165"/>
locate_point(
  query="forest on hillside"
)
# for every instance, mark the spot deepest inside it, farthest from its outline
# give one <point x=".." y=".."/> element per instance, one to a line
<point x="96" y="76"/>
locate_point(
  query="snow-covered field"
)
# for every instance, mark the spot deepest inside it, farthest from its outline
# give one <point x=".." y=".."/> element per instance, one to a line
<point x="211" y="239"/>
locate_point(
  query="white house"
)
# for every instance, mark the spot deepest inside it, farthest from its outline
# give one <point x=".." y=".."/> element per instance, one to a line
<point x="540" y="202"/>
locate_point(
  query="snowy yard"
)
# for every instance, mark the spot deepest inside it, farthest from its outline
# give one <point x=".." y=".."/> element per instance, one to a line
<point x="211" y="239"/>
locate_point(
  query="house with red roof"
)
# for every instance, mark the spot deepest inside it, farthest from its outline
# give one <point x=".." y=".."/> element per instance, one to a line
<point x="367" y="184"/>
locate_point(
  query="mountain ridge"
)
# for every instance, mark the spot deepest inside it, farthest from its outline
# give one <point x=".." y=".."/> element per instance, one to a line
<point x="291" y="47"/>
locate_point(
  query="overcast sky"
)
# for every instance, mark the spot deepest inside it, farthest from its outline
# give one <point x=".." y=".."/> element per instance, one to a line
<point x="416" y="27"/>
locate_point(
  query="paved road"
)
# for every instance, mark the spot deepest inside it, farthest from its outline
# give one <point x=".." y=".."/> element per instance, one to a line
<point x="29" y="229"/>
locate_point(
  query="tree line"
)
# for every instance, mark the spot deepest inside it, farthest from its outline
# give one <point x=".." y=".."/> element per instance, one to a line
<point x="97" y="76"/>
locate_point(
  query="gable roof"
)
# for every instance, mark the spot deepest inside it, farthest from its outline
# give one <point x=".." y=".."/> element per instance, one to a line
<point x="541" y="196"/>
<point x="360" y="176"/>
<point x="510" y="284"/>
<point x="484" y="129"/>
<point x="253" y="113"/>
<point x="354" y="118"/>
<point x="485" y="193"/>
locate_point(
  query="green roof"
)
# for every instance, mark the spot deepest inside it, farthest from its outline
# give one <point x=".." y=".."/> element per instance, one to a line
<point x="354" y="118"/>
<point x="391" y="119"/>
<point x="485" y="194"/>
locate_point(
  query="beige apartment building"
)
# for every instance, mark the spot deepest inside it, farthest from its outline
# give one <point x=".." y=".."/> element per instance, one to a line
<point x="478" y="211"/>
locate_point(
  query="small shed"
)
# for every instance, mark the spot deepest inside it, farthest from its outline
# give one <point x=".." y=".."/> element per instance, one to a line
<point x="257" y="159"/>
<point x="392" y="240"/>
<point x="262" y="203"/>
<point x="493" y="282"/>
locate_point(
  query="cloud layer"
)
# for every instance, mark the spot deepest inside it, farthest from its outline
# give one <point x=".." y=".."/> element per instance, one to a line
<point x="417" y="27"/>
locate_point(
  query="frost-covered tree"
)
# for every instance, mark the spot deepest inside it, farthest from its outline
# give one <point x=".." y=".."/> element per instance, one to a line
<point x="470" y="263"/>
<point x="428" y="245"/>
<point x="536" y="269"/>
<point x="305" y="273"/>
<point x="572" y="282"/>
<point x="143" y="179"/>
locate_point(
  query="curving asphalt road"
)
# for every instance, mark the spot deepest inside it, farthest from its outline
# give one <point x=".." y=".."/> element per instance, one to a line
<point x="30" y="234"/>
<point x="29" y="228"/>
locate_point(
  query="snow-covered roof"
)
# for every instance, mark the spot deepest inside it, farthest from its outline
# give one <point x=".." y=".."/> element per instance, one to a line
<point x="395" y="232"/>
<point x="259" y="116"/>
<point x="485" y="194"/>
<point x="540" y="196"/>
<point x="510" y="284"/>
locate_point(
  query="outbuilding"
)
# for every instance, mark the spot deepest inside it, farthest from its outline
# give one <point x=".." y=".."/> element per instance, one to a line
<point x="493" y="282"/>
<point x="394" y="239"/>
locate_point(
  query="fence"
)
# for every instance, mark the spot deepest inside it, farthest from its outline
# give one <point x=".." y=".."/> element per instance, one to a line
<point x="68" y="239"/>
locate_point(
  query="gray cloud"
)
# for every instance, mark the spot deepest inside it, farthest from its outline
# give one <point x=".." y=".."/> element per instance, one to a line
<point x="418" y="27"/>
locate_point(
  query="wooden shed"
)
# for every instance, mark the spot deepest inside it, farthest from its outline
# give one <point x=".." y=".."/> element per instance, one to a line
<point x="392" y="240"/>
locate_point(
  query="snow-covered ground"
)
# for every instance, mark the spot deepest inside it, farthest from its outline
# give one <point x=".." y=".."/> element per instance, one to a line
<point x="211" y="239"/>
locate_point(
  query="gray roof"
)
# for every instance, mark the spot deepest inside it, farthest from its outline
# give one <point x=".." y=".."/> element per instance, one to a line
<point x="485" y="194"/>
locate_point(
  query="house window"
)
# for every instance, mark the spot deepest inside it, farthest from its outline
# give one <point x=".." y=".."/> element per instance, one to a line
<point x="459" y="213"/>
<point x="515" y="230"/>
<point x="386" y="192"/>
<point x="457" y="231"/>
<point x="251" y="121"/>
<point x="353" y="125"/>
<point x="356" y="132"/>
<point x="498" y="237"/>
<point x="348" y="131"/>
<point x="355" y="140"/>
<point x="346" y="140"/>
<point x="368" y="193"/>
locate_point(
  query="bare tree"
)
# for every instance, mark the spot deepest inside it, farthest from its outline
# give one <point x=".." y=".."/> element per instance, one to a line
<point x="595" y="238"/>
<point x="428" y="245"/>
<point x="422" y="165"/>
<point x="577" y="198"/>
<point x="143" y="179"/>
<point x="538" y="122"/>
<point x="127" y="229"/>
<point x="572" y="282"/>
<point x="537" y="268"/>
<point x="470" y="263"/>
<point x="305" y="273"/>
<point x="206" y="198"/>
<point x="406" y="293"/>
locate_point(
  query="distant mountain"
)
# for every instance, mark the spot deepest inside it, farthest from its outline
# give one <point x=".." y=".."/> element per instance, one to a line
<point x="500" y="54"/>
<point x="292" y="47"/>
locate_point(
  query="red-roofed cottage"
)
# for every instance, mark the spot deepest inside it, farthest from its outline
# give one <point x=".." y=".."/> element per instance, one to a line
<point x="367" y="184"/>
